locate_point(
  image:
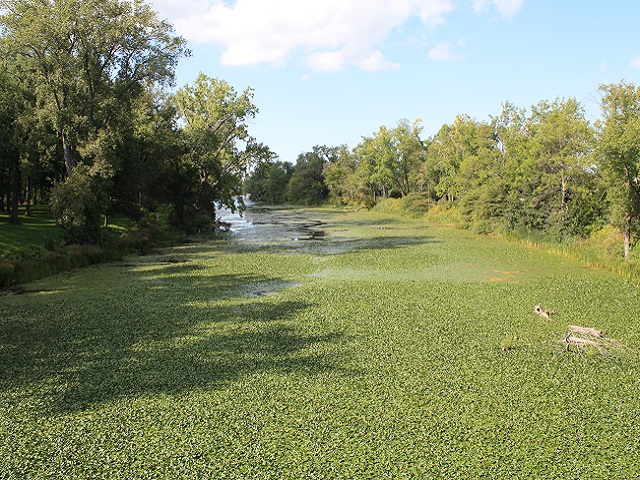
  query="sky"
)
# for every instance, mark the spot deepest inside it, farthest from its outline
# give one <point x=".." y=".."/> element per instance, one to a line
<point x="329" y="72"/>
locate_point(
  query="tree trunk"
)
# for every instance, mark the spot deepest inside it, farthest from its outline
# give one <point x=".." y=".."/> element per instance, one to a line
<point x="28" y="197"/>
<point x="69" y="161"/>
<point x="627" y="237"/>
<point x="17" y="190"/>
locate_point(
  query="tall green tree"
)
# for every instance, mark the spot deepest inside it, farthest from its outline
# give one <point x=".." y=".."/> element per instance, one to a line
<point x="88" y="59"/>
<point x="482" y="188"/>
<point x="393" y="158"/>
<point x="11" y="99"/>
<point x="219" y="149"/>
<point x="447" y="150"/>
<point x="562" y="146"/>
<point x="308" y="184"/>
<point x="269" y="182"/>
<point x="342" y="179"/>
<point x="619" y="148"/>
<point x="88" y="62"/>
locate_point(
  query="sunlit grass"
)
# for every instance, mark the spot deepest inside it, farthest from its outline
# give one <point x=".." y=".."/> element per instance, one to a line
<point x="31" y="231"/>
<point x="377" y="352"/>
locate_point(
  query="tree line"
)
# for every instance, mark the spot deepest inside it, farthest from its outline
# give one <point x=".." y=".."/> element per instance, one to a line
<point x="546" y="169"/>
<point x="90" y="125"/>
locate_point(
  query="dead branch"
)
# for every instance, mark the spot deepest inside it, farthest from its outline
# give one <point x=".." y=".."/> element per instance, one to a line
<point x="579" y="342"/>
<point x="588" y="332"/>
<point x="543" y="313"/>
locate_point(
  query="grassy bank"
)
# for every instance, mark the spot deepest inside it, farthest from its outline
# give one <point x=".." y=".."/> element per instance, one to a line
<point x="386" y="348"/>
<point x="603" y="249"/>
<point x="32" y="249"/>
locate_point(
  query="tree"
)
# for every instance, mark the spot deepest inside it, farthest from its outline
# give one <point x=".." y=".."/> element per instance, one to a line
<point x="219" y="149"/>
<point x="88" y="59"/>
<point x="619" y="147"/>
<point x="446" y="153"/>
<point x="88" y="62"/>
<point x="482" y="188"/>
<point x="269" y="182"/>
<point x="562" y="143"/>
<point x="307" y="184"/>
<point x="342" y="179"/>
<point x="10" y="99"/>
<point x="393" y="158"/>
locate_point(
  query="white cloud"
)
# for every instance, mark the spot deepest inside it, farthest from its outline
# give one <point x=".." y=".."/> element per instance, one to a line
<point x="324" y="35"/>
<point x="506" y="8"/>
<point x="635" y="62"/>
<point x="376" y="61"/>
<point x="443" y="52"/>
<point x="330" y="34"/>
<point x="326" y="61"/>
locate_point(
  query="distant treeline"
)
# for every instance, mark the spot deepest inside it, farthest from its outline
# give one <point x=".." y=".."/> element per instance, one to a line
<point x="547" y="169"/>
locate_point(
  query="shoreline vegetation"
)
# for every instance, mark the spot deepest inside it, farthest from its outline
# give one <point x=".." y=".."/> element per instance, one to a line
<point x="602" y="249"/>
<point x="33" y="250"/>
<point x="30" y="251"/>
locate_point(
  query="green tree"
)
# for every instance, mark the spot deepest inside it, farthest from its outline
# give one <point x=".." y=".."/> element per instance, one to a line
<point x="482" y="187"/>
<point x="269" y="182"/>
<point x="219" y="149"/>
<point x="392" y="158"/>
<point x="151" y="146"/>
<point x="562" y="145"/>
<point x="10" y="133"/>
<point x="88" y="60"/>
<point x="619" y="148"/>
<point x="342" y="179"/>
<point x="307" y="184"/>
<point x="446" y="152"/>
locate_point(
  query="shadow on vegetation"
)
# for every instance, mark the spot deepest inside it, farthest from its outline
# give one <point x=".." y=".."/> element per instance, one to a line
<point x="172" y="329"/>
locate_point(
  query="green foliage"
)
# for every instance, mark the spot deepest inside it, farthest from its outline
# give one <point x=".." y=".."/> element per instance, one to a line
<point x="77" y="204"/>
<point x="219" y="149"/>
<point x="384" y="360"/>
<point x="34" y="249"/>
<point x="81" y="71"/>
<point x="307" y="184"/>
<point x="619" y="147"/>
<point x="391" y="159"/>
<point x="269" y="182"/>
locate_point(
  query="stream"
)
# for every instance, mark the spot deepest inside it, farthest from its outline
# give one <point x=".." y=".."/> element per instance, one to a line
<point x="264" y="225"/>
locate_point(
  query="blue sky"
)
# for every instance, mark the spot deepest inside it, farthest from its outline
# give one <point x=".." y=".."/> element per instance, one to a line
<point x="327" y="72"/>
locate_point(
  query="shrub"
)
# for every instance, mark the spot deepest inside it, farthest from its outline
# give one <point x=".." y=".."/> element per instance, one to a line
<point x="77" y="204"/>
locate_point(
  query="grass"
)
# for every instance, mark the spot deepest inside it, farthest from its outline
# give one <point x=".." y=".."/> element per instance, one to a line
<point x="32" y="230"/>
<point x="376" y="352"/>
<point x="33" y="249"/>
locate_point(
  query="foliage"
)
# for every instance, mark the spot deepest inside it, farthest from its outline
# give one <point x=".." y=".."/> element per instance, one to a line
<point x="83" y="69"/>
<point x="269" y="182"/>
<point x="393" y="158"/>
<point x="34" y="249"/>
<point x="219" y="149"/>
<point x="619" y="147"/>
<point x="87" y="60"/>
<point x="307" y="184"/>
<point x="77" y="204"/>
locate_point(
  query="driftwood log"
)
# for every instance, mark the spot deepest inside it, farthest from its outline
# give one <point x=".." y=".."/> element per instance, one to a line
<point x="585" y="337"/>
<point x="588" y="332"/>
<point x="579" y="342"/>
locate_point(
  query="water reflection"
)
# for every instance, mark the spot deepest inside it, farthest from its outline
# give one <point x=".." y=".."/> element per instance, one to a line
<point x="263" y="224"/>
